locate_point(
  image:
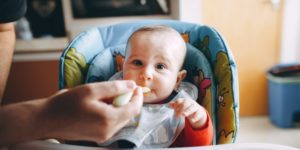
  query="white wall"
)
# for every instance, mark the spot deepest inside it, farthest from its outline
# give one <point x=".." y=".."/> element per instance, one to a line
<point x="290" y="44"/>
<point x="190" y="11"/>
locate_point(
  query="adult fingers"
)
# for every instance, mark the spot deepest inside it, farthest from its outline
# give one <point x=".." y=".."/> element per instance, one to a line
<point x="109" y="89"/>
<point x="124" y="113"/>
<point x="62" y="91"/>
<point x="135" y="104"/>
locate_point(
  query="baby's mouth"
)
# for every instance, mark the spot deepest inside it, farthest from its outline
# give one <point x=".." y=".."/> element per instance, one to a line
<point x="146" y="89"/>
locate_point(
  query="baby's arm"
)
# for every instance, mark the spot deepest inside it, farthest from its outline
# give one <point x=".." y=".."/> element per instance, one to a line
<point x="190" y="109"/>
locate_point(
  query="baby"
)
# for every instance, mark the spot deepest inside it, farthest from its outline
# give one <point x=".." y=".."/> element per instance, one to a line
<point x="154" y="58"/>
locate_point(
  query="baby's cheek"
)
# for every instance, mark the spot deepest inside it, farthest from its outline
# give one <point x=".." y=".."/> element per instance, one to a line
<point x="128" y="76"/>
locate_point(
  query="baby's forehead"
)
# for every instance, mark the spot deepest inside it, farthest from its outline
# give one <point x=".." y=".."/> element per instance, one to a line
<point x="164" y="36"/>
<point x="167" y="33"/>
<point x="158" y="37"/>
<point x="169" y="41"/>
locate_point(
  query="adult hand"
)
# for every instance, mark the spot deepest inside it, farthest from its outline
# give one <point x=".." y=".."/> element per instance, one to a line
<point x="86" y="113"/>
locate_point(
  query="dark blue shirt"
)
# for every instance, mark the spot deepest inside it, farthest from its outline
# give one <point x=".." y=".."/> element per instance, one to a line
<point x="11" y="10"/>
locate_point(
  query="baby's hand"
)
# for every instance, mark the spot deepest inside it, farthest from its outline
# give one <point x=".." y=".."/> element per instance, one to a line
<point x="192" y="110"/>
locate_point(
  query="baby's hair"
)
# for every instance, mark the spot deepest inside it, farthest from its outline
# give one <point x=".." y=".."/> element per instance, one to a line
<point x="153" y="28"/>
<point x="157" y="28"/>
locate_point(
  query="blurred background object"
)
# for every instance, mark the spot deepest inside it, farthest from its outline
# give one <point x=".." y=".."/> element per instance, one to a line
<point x="46" y="18"/>
<point x="110" y="8"/>
<point x="23" y="30"/>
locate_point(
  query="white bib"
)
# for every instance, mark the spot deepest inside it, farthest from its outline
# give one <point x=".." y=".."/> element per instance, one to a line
<point x="156" y="126"/>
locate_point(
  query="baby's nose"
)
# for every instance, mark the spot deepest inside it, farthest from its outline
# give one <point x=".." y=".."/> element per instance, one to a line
<point x="146" y="76"/>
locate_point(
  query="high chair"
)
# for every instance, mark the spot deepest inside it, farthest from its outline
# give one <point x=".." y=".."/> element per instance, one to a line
<point x="96" y="54"/>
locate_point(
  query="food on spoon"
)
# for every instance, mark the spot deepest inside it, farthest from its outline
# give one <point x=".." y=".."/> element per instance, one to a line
<point x="146" y="90"/>
<point x="125" y="98"/>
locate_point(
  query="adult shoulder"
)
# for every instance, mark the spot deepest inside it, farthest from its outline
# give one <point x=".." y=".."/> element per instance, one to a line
<point x="11" y="10"/>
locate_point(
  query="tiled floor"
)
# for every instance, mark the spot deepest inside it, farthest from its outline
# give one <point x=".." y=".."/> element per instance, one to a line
<point x="260" y="129"/>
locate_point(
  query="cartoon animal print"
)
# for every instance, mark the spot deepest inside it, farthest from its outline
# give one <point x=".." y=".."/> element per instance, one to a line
<point x="204" y="47"/>
<point x="225" y="112"/>
<point x="75" y="68"/>
<point x="119" y="59"/>
<point x="203" y="84"/>
<point x="226" y="134"/>
<point x="221" y="102"/>
<point x="186" y="37"/>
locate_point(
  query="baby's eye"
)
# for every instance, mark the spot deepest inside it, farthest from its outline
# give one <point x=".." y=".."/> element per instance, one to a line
<point x="161" y="66"/>
<point x="137" y="62"/>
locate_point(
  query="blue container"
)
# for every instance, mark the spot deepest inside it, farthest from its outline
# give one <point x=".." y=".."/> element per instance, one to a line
<point x="284" y="94"/>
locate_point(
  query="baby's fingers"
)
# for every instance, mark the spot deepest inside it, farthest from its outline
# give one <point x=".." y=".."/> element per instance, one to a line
<point x="177" y="106"/>
<point x="198" y="118"/>
<point x="190" y="110"/>
<point x="194" y="117"/>
<point x="180" y="106"/>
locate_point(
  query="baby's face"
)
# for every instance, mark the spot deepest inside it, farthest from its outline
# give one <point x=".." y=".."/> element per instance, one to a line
<point x="154" y="60"/>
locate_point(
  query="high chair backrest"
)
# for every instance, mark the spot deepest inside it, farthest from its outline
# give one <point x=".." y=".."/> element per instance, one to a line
<point x="96" y="54"/>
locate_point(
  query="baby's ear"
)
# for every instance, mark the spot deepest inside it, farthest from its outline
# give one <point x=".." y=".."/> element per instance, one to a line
<point x="180" y="76"/>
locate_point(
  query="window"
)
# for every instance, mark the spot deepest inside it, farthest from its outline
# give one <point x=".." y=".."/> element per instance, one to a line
<point x="111" y="8"/>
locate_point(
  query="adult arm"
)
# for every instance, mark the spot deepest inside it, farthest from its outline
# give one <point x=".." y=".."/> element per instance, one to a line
<point x="7" y="42"/>
<point x="10" y="11"/>
<point x="75" y="114"/>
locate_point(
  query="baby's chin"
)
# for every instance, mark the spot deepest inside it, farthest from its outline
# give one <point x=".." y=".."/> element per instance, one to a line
<point x="151" y="99"/>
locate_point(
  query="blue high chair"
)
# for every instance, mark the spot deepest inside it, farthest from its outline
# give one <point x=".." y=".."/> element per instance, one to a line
<point x="96" y="54"/>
